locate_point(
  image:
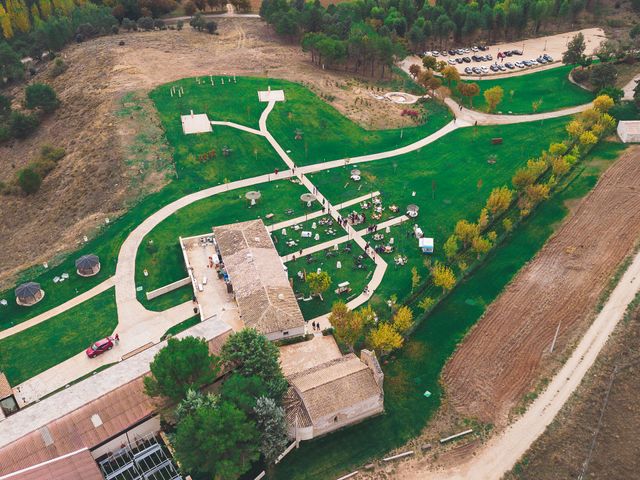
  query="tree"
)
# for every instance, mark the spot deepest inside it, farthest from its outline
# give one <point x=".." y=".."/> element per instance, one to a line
<point x="189" y="8"/>
<point x="193" y="401"/>
<point x="559" y="166"/>
<point x="443" y="277"/>
<point x="211" y="27"/>
<point x="5" y="107"/>
<point x="347" y="325"/>
<point x="29" y="180"/>
<point x="145" y="23"/>
<point x="41" y="95"/>
<point x="243" y="391"/>
<point x="385" y="339"/>
<point x="426" y="303"/>
<point x="574" y="55"/>
<point x="318" y="282"/>
<point x="5" y="23"/>
<point x="537" y="192"/>
<point x="249" y="353"/>
<point x="480" y="246"/>
<point x="483" y="220"/>
<point x="403" y="319"/>
<point x="523" y="177"/>
<point x="184" y="364"/>
<point x="466" y="231"/>
<point x="603" y="103"/>
<point x="451" y="74"/>
<point x="507" y="224"/>
<point x="499" y="200"/>
<point x="10" y="65"/>
<point x="415" y="278"/>
<point x="468" y="90"/>
<point x="415" y="70"/>
<point x="272" y="425"/>
<point x="22" y="124"/>
<point x="493" y="97"/>
<point x="575" y="128"/>
<point x="603" y="75"/>
<point x="429" y="62"/>
<point x="588" y="138"/>
<point x="451" y="247"/>
<point x="220" y="442"/>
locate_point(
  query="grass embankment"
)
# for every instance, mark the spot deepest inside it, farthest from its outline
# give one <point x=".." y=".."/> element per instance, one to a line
<point x="325" y="133"/>
<point x="552" y="87"/>
<point x="417" y="366"/>
<point x="32" y="351"/>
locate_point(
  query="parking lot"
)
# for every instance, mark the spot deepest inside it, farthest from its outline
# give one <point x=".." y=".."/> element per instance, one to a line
<point x="553" y="46"/>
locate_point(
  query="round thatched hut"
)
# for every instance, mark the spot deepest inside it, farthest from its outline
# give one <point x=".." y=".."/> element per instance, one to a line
<point x="29" y="294"/>
<point x="88" y="265"/>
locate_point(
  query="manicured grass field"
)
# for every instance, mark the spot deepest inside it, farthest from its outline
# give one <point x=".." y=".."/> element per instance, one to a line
<point x="551" y="86"/>
<point x="326" y="134"/>
<point x="323" y="231"/>
<point x="163" y="258"/>
<point x="449" y="184"/>
<point x="327" y="260"/>
<point x="417" y="366"/>
<point x="43" y="346"/>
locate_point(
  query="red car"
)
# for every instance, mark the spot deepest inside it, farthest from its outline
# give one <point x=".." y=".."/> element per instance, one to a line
<point x="99" y="347"/>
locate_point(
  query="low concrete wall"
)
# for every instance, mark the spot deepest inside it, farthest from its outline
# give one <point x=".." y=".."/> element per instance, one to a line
<point x="168" y="288"/>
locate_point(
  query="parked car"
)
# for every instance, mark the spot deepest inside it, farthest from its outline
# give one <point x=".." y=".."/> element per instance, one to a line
<point x="527" y="63"/>
<point x="459" y="60"/>
<point x="484" y="69"/>
<point x="494" y="67"/>
<point x="460" y="51"/>
<point x="435" y="53"/>
<point x="451" y="61"/>
<point x="509" y="65"/>
<point x="548" y="57"/>
<point x="541" y="60"/>
<point x="519" y="64"/>
<point x="468" y="70"/>
<point x="99" y="347"/>
<point x="533" y="62"/>
<point x="466" y="59"/>
<point x="452" y="52"/>
<point x="489" y="57"/>
<point x="484" y="48"/>
<point x="427" y="54"/>
<point x="476" y="70"/>
<point x="502" y="68"/>
<point x="517" y="52"/>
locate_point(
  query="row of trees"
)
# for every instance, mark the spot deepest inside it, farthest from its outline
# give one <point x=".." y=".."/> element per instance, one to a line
<point x="221" y="435"/>
<point x="371" y="32"/>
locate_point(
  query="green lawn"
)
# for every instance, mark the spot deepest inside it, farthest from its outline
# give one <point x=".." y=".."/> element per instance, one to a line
<point x="462" y="178"/>
<point x="43" y="346"/>
<point x="163" y="258"/>
<point x="551" y="86"/>
<point x="417" y="366"/>
<point x="326" y="134"/>
<point x="327" y="260"/>
<point x="326" y="232"/>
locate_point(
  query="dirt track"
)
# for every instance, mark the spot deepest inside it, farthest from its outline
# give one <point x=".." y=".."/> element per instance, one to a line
<point x="504" y="354"/>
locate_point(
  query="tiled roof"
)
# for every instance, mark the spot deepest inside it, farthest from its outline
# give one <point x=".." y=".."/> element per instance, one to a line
<point x="265" y="298"/>
<point x="330" y="387"/>
<point x="77" y="466"/>
<point x="296" y="413"/>
<point x="5" y="388"/>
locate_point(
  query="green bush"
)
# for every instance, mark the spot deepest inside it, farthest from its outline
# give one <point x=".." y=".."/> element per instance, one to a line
<point x="22" y="125"/>
<point x="5" y="132"/>
<point x="41" y="95"/>
<point x="5" y="107"/>
<point x="580" y="74"/>
<point x="49" y="152"/>
<point x="59" y="67"/>
<point x="29" y="180"/>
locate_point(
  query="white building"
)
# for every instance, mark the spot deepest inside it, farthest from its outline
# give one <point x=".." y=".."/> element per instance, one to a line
<point x="629" y="131"/>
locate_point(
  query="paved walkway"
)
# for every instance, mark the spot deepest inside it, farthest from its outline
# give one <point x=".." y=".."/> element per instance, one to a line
<point x="75" y="301"/>
<point x="138" y="326"/>
<point x="238" y="126"/>
<point x="629" y="87"/>
<point x="503" y="451"/>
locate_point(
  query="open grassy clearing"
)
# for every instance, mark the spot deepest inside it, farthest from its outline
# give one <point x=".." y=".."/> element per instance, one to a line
<point x="43" y="346"/>
<point x="417" y="366"/>
<point x="327" y="260"/>
<point x="449" y="184"/>
<point x="552" y="87"/>
<point x="326" y="134"/>
<point x="325" y="231"/>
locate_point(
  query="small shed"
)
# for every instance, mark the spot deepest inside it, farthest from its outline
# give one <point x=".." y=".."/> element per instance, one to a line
<point x="629" y="131"/>
<point x="29" y="294"/>
<point x="88" y="265"/>
<point x="426" y="244"/>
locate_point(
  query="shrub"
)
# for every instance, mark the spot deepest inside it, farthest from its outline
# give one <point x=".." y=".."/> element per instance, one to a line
<point x="189" y="8"/>
<point x="29" y="180"/>
<point x="22" y="125"/>
<point x="115" y="30"/>
<point x="41" y="95"/>
<point x="603" y="75"/>
<point x="180" y="24"/>
<point x="145" y="23"/>
<point x="59" y="67"/>
<point x="211" y="27"/>
<point x="159" y="24"/>
<point x="51" y="153"/>
<point x="580" y="74"/>
<point x="5" y="133"/>
<point x="5" y="107"/>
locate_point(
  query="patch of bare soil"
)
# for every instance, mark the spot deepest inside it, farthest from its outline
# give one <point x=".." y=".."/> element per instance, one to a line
<point x="114" y="143"/>
<point x="600" y="424"/>
<point x="501" y="358"/>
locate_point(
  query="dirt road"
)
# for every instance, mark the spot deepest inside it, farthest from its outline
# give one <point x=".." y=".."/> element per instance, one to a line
<point x="503" y="355"/>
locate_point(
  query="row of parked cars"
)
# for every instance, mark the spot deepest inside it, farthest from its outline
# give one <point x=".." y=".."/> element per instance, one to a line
<point x="474" y="58"/>
<point x="503" y="67"/>
<point x="456" y="51"/>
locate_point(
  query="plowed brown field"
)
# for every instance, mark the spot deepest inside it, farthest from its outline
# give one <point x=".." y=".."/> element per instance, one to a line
<point x="502" y="356"/>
